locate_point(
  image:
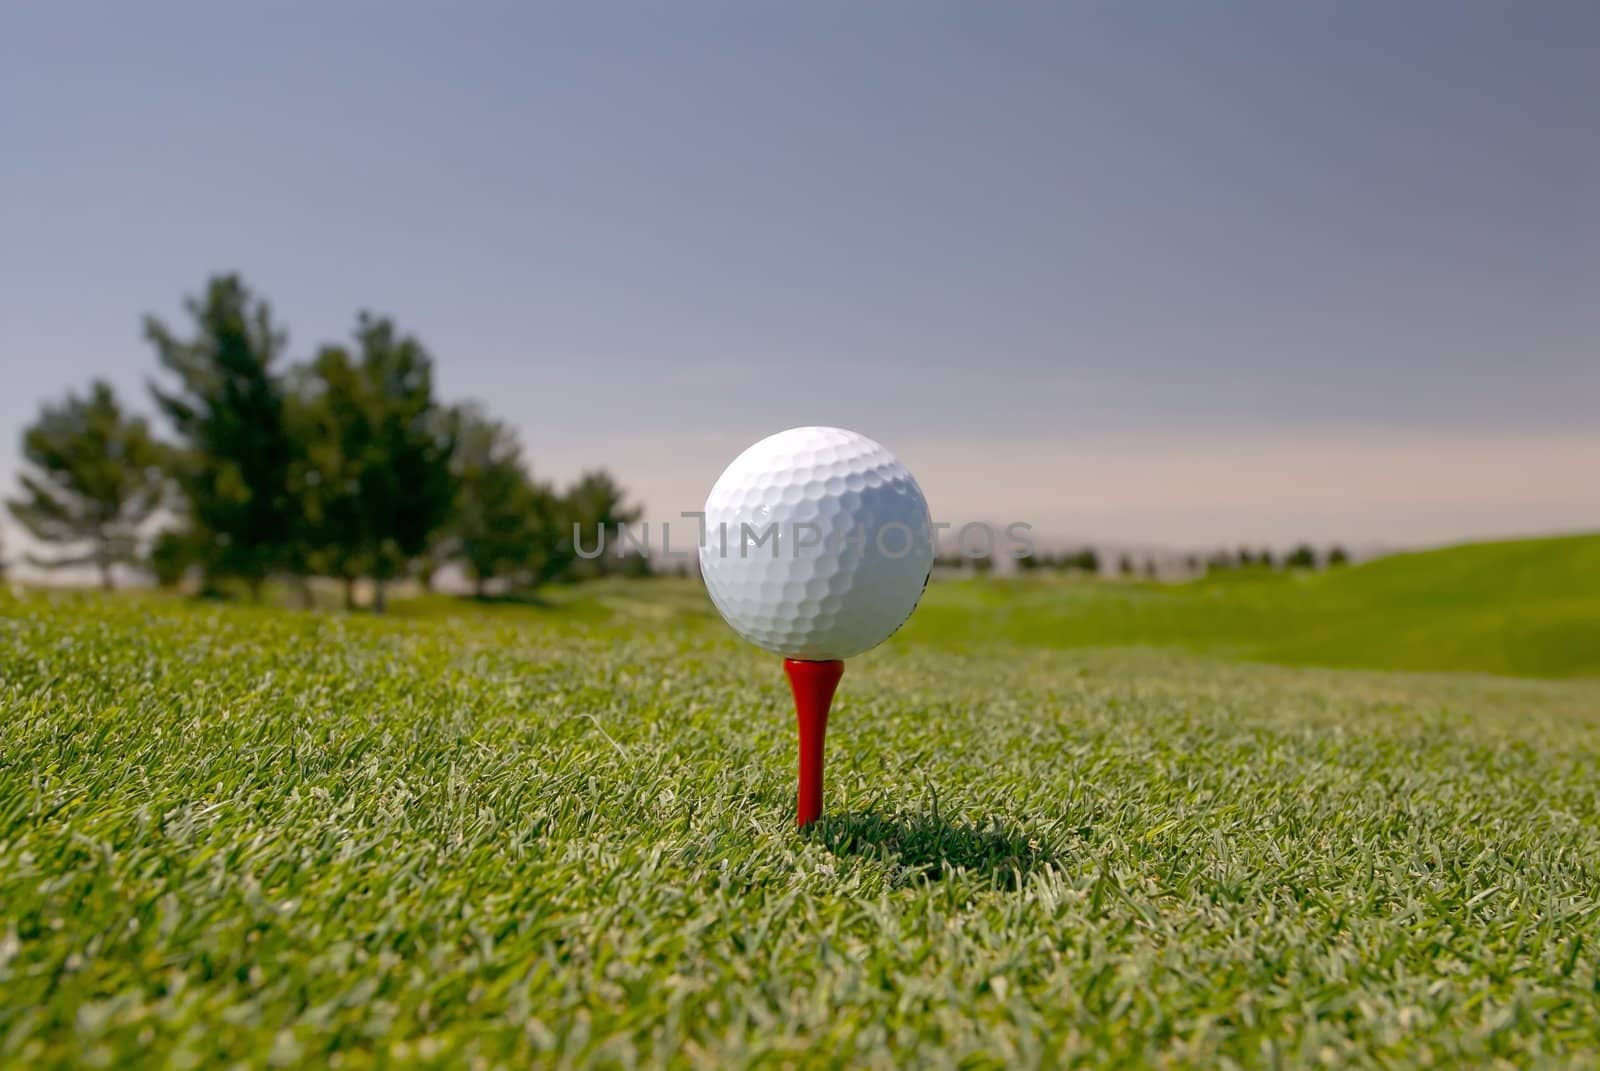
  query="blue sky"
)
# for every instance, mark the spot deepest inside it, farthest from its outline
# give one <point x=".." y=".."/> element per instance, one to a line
<point x="1166" y="273"/>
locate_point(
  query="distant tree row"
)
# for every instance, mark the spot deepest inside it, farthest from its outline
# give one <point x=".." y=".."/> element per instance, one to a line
<point x="1077" y="561"/>
<point x="344" y="466"/>
<point x="1303" y="556"/>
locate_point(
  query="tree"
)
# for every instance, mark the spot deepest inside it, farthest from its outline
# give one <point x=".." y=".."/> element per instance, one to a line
<point x="378" y="485"/>
<point x="504" y="525"/>
<point x="1337" y="556"/>
<point x="597" y="502"/>
<point x="93" y="480"/>
<point x="172" y="554"/>
<point x="637" y="565"/>
<point x="235" y="453"/>
<point x="1301" y="557"/>
<point x="1125" y="565"/>
<point x="327" y="415"/>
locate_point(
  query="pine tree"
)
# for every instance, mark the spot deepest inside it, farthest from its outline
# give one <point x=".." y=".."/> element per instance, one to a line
<point x="93" y="478"/>
<point x="235" y="453"/>
<point x="597" y="502"/>
<point x="378" y="448"/>
<point x="504" y="525"/>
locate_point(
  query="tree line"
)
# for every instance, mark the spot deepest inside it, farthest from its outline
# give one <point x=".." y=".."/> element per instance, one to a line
<point x="343" y="465"/>
<point x="1300" y="557"/>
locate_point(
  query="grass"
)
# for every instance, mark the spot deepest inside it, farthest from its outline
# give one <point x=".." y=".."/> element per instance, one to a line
<point x="1529" y="608"/>
<point x="499" y="836"/>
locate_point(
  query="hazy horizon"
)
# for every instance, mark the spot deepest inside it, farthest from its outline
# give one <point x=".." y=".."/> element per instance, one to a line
<point x="1155" y="275"/>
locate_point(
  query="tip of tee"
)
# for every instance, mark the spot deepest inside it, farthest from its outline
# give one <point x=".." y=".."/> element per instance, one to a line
<point x="804" y="672"/>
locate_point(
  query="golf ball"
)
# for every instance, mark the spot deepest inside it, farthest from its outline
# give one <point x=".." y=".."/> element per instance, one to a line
<point x="817" y="543"/>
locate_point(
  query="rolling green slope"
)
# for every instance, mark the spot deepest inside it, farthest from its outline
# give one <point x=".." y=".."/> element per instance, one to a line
<point x="1529" y="607"/>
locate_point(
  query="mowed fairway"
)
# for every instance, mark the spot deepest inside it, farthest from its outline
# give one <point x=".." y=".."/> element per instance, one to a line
<point x="507" y="836"/>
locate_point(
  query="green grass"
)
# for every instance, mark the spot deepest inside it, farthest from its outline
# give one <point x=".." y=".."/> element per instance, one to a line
<point x="506" y="836"/>
<point x="1530" y="608"/>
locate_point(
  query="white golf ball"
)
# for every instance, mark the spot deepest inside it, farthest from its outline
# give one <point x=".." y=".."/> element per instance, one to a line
<point x="818" y="544"/>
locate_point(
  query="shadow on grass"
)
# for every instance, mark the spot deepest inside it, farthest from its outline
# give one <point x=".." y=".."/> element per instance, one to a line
<point x="927" y="847"/>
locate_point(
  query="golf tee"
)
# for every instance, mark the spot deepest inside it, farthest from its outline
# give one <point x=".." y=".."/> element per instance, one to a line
<point x="813" y="684"/>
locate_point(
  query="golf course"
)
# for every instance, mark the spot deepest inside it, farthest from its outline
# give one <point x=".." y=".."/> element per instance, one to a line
<point x="1343" y="818"/>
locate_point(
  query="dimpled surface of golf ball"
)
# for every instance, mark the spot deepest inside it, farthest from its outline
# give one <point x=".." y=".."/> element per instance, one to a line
<point x="849" y="550"/>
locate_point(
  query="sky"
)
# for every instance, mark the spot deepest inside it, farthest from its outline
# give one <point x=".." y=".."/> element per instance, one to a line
<point x="1163" y="273"/>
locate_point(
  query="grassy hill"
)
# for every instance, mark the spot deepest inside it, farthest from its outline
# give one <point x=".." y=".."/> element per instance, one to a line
<point x="1529" y="607"/>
